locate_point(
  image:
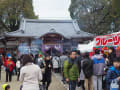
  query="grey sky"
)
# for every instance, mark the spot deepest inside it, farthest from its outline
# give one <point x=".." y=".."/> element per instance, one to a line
<point x="52" y="9"/>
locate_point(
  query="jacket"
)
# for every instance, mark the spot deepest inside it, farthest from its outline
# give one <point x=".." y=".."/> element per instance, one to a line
<point x="87" y="66"/>
<point x="48" y="71"/>
<point x="4" y="86"/>
<point x="71" y="69"/>
<point x="30" y="75"/>
<point x="111" y="75"/>
<point x="9" y="64"/>
<point x="98" y="65"/>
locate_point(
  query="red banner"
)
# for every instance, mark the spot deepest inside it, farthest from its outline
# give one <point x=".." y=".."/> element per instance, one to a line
<point x="108" y="40"/>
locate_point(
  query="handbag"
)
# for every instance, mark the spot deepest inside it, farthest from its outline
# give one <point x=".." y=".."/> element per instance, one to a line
<point x="114" y="85"/>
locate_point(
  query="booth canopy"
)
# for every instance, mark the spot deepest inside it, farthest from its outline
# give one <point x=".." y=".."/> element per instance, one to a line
<point x="86" y="47"/>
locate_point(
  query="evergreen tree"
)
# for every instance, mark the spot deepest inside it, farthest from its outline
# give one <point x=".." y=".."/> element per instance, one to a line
<point x="11" y="12"/>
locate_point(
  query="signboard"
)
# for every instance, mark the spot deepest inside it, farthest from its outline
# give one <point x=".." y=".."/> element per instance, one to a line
<point x="23" y="48"/>
<point x="108" y="40"/>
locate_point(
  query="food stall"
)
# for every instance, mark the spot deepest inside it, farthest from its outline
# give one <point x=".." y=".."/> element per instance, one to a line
<point x="106" y="41"/>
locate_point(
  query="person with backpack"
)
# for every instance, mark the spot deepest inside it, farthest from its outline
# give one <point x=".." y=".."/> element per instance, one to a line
<point x="71" y="71"/>
<point x="113" y="74"/>
<point x="87" y="67"/>
<point x="55" y="61"/>
<point x="98" y="70"/>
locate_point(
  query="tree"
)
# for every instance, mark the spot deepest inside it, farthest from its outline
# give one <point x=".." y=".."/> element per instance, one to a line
<point x="94" y="16"/>
<point x="11" y="12"/>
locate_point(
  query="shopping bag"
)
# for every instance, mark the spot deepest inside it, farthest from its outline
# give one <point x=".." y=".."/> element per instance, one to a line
<point x="114" y="85"/>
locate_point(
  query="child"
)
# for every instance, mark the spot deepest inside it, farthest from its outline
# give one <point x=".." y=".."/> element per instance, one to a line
<point x="6" y="87"/>
<point x="113" y="73"/>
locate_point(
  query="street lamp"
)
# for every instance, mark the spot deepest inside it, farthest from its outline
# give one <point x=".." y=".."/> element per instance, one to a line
<point x="112" y="27"/>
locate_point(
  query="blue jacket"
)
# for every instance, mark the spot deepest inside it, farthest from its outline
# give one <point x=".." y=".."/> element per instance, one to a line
<point x="98" y="65"/>
<point x="112" y="74"/>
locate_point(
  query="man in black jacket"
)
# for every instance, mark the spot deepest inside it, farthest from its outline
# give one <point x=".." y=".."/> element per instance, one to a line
<point x="1" y="63"/>
<point x="87" y="66"/>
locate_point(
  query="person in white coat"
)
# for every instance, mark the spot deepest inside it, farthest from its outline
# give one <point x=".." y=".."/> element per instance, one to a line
<point x="30" y="74"/>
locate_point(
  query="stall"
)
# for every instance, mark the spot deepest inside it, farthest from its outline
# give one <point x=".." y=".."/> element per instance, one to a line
<point x="106" y="41"/>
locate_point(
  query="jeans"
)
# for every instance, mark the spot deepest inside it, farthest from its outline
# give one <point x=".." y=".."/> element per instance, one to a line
<point x="97" y="82"/>
<point x="72" y="85"/>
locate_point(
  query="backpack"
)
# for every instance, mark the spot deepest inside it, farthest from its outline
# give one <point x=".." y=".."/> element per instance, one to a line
<point x="88" y="68"/>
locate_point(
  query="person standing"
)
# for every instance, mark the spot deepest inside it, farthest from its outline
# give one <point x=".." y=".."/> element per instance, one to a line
<point x="14" y="60"/>
<point x="111" y="56"/>
<point x="18" y="66"/>
<point x="9" y="64"/>
<point x="63" y="58"/>
<point x="79" y="59"/>
<point x="98" y="70"/>
<point x="71" y="70"/>
<point x="48" y="71"/>
<point x="113" y="73"/>
<point x="30" y="74"/>
<point x="1" y="63"/>
<point x="55" y="61"/>
<point x="87" y="66"/>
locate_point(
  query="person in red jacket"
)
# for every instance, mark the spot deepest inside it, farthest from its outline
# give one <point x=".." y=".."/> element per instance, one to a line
<point x="9" y="64"/>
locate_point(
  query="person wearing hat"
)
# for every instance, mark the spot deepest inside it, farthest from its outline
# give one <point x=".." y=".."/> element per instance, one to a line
<point x="9" y="64"/>
<point x="6" y="87"/>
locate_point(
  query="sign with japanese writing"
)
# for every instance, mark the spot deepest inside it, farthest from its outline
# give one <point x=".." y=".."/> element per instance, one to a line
<point x="108" y="40"/>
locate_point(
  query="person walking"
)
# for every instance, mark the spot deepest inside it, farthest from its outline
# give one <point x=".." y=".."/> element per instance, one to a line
<point x="48" y="71"/>
<point x="1" y="63"/>
<point x="87" y="66"/>
<point x="9" y="64"/>
<point x="113" y="73"/>
<point x="98" y="70"/>
<point x="71" y="70"/>
<point x="30" y="74"/>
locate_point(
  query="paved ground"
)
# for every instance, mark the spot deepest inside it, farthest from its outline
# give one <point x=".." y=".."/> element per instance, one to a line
<point x="58" y="77"/>
<point x="55" y="85"/>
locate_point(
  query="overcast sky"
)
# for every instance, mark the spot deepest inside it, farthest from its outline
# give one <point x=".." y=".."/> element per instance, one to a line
<point x="52" y="9"/>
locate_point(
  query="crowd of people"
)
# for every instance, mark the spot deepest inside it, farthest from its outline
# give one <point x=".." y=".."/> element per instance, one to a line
<point x="99" y="72"/>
